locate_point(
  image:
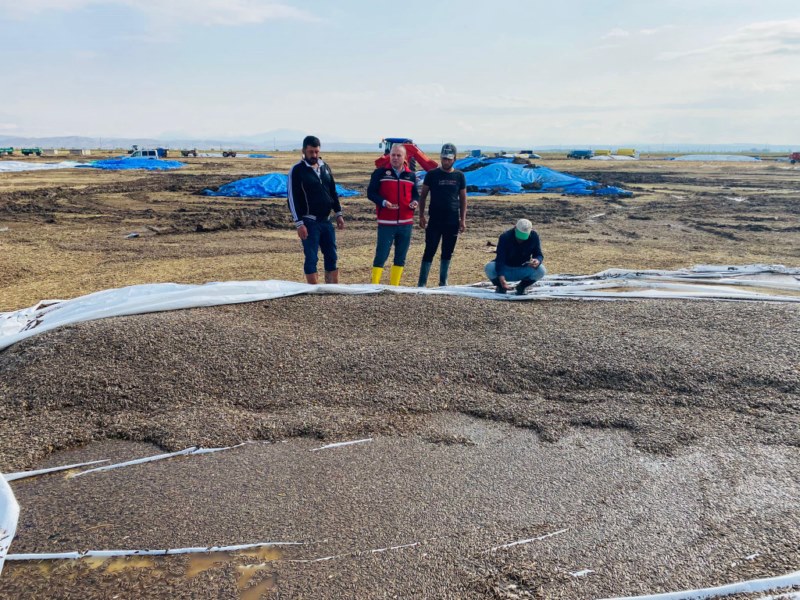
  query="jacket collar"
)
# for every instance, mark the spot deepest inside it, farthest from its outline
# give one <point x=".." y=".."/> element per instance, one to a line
<point x="320" y="163"/>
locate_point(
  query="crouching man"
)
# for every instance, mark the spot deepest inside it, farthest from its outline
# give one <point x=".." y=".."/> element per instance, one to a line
<point x="519" y="258"/>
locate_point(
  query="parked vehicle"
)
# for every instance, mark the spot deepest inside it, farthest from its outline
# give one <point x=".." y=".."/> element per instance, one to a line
<point x="581" y="154"/>
<point x="794" y="157"/>
<point x="192" y="152"/>
<point x="229" y="153"/>
<point x="136" y="152"/>
<point x="144" y="153"/>
<point x="528" y="154"/>
<point x="29" y="151"/>
<point x="627" y="152"/>
<point x="8" y="151"/>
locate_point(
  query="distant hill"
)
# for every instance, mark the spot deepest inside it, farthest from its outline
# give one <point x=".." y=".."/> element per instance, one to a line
<point x="287" y="140"/>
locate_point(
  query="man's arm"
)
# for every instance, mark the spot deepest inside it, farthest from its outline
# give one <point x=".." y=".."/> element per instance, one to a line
<point x="298" y="203"/>
<point x="374" y="187"/>
<point x="462" y="222"/>
<point x="423" y="198"/>
<point x="337" y="205"/>
<point x="536" y="251"/>
<point x="502" y="256"/>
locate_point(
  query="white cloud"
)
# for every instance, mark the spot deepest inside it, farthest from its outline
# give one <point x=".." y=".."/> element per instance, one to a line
<point x="203" y="12"/>
<point x="8" y="126"/>
<point x="616" y="33"/>
<point x="769" y="38"/>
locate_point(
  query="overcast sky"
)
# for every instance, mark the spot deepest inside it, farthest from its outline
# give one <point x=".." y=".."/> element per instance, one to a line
<point x="522" y="72"/>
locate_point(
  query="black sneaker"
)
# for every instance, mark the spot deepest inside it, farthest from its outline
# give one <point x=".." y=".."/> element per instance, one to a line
<point x="498" y="289"/>
<point x="524" y="285"/>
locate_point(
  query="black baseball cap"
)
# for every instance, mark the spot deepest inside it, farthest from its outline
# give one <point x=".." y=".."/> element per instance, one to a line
<point x="449" y="151"/>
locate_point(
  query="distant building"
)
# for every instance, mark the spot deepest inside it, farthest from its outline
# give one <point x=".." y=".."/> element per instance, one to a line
<point x="50" y="152"/>
<point x="79" y="152"/>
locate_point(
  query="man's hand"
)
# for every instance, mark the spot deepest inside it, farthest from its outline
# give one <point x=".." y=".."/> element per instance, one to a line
<point x="414" y="204"/>
<point x="462" y="227"/>
<point x="302" y="232"/>
<point x="534" y="262"/>
<point x="389" y="205"/>
<point x="340" y="222"/>
<point x="503" y="283"/>
<point x="423" y="222"/>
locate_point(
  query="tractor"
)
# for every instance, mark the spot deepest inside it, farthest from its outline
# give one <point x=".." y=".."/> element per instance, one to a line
<point x="413" y="154"/>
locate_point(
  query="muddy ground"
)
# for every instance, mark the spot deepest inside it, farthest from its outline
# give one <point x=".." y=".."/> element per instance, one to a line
<point x="662" y="436"/>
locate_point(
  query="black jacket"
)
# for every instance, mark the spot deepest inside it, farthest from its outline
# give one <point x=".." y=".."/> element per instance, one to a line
<point x="312" y="196"/>
<point x="514" y="253"/>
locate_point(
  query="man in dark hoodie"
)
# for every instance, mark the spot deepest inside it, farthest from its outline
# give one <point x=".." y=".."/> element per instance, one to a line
<point x="312" y="197"/>
<point x="519" y="258"/>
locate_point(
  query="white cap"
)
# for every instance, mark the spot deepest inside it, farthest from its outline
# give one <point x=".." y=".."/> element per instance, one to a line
<point x="523" y="228"/>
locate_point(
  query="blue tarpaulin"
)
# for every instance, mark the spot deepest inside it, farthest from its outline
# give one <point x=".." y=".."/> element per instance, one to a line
<point x="502" y="176"/>
<point x="271" y="185"/>
<point x="122" y="163"/>
<point x="259" y="156"/>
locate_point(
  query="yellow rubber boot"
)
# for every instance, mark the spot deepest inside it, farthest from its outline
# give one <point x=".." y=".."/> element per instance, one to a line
<point x="376" y="274"/>
<point x="395" y="274"/>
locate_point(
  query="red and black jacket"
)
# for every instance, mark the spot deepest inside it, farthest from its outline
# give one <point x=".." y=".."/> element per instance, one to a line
<point x="400" y="189"/>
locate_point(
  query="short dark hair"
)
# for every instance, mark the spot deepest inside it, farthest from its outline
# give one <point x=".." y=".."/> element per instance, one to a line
<point x="311" y="140"/>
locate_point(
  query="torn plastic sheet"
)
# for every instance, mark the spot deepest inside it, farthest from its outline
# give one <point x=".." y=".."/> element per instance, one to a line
<point x="139" y="461"/>
<point x="36" y="473"/>
<point x="527" y="541"/>
<point x="340" y="444"/>
<point x="9" y="514"/>
<point x="774" y="283"/>
<point x="162" y="552"/>
<point x="742" y="587"/>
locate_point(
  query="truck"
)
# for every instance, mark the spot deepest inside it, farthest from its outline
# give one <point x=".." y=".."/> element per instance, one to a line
<point x="581" y="154"/>
<point x="7" y="151"/>
<point x="627" y="152"/>
<point x="29" y="151"/>
<point x="192" y="152"/>
<point x="229" y="153"/>
<point x="794" y="157"/>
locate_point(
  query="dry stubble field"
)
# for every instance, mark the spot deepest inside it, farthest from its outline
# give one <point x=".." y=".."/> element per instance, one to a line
<point x="66" y="229"/>
<point x="658" y="440"/>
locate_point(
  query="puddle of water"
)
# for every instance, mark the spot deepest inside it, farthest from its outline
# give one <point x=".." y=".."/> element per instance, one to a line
<point x="203" y="562"/>
<point x="197" y="563"/>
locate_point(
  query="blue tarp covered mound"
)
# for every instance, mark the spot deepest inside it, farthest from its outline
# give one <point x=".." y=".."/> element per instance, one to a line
<point x="502" y="176"/>
<point x="271" y="185"/>
<point x="518" y="179"/>
<point x="122" y="163"/>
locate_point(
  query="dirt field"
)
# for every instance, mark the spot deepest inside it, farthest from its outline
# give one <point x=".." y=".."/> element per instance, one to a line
<point x="634" y="447"/>
<point x="66" y="229"/>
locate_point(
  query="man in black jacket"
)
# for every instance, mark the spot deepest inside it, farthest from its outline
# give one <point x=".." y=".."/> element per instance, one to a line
<point x="312" y="197"/>
<point x="519" y="258"/>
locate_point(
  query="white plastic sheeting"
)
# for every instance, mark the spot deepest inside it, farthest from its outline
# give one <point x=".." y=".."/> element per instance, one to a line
<point x="37" y="472"/>
<point x="9" y="513"/>
<point x="717" y="158"/>
<point x="163" y="552"/>
<point x="751" y="282"/>
<point x="16" y="166"/>
<point x="742" y="587"/>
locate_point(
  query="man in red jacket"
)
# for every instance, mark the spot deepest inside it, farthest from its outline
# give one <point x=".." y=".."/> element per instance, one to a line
<point x="394" y="191"/>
